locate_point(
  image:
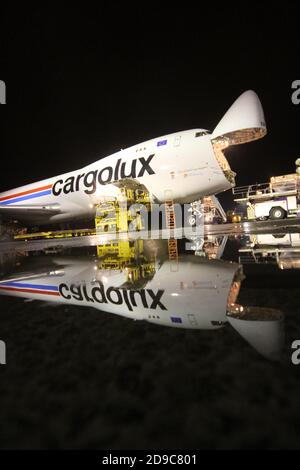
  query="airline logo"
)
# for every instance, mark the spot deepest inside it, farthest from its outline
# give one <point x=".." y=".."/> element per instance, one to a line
<point x="136" y="168"/>
<point x="97" y="293"/>
<point x="25" y="195"/>
<point x="29" y="288"/>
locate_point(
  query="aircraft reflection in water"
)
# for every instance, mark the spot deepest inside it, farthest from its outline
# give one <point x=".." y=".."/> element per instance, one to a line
<point x="190" y="292"/>
<point x="209" y="246"/>
<point x="282" y="249"/>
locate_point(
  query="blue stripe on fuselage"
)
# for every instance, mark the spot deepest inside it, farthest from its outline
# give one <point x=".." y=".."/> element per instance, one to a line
<point x="24" y="198"/>
<point x="28" y="286"/>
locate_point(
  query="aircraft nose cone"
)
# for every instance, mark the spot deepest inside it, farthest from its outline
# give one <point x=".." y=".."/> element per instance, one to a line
<point x="245" y="113"/>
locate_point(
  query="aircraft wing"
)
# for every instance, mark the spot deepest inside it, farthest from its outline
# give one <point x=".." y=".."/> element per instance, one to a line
<point x="28" y="210"/>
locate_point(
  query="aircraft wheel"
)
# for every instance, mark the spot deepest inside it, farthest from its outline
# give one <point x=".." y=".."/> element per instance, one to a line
<point x="192" y="220"/>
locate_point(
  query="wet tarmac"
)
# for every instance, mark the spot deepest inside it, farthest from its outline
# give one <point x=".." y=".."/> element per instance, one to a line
<point x="139" y="344"/>
<point x="268" y="226"/>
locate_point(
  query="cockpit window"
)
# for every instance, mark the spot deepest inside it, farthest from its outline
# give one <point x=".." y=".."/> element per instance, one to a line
<point x="201" y="133"/>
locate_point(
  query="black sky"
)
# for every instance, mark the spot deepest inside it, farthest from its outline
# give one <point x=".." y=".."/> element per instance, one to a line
<point x="83" y="83"/>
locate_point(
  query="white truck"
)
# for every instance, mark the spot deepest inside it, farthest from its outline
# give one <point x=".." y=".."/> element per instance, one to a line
<point x="280" y="248"/>
<point x="278" y="199"/>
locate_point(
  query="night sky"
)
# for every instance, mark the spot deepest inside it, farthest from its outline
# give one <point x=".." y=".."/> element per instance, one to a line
<point x="84" y="83"/>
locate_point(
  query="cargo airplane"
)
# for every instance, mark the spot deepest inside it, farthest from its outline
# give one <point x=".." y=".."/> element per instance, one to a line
<point x="183" y="167"/>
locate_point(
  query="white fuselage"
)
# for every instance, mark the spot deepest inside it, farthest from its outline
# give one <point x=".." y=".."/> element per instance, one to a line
<point x="180" y="166"/>
<point x="193" y="296"/>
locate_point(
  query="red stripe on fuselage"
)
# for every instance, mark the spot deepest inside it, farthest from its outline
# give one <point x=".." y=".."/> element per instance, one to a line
<point x="30" y="191"/>
<point x="30" y="291"/>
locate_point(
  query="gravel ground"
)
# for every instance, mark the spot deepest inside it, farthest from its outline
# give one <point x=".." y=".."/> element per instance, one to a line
<point x="79" y="378"/>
